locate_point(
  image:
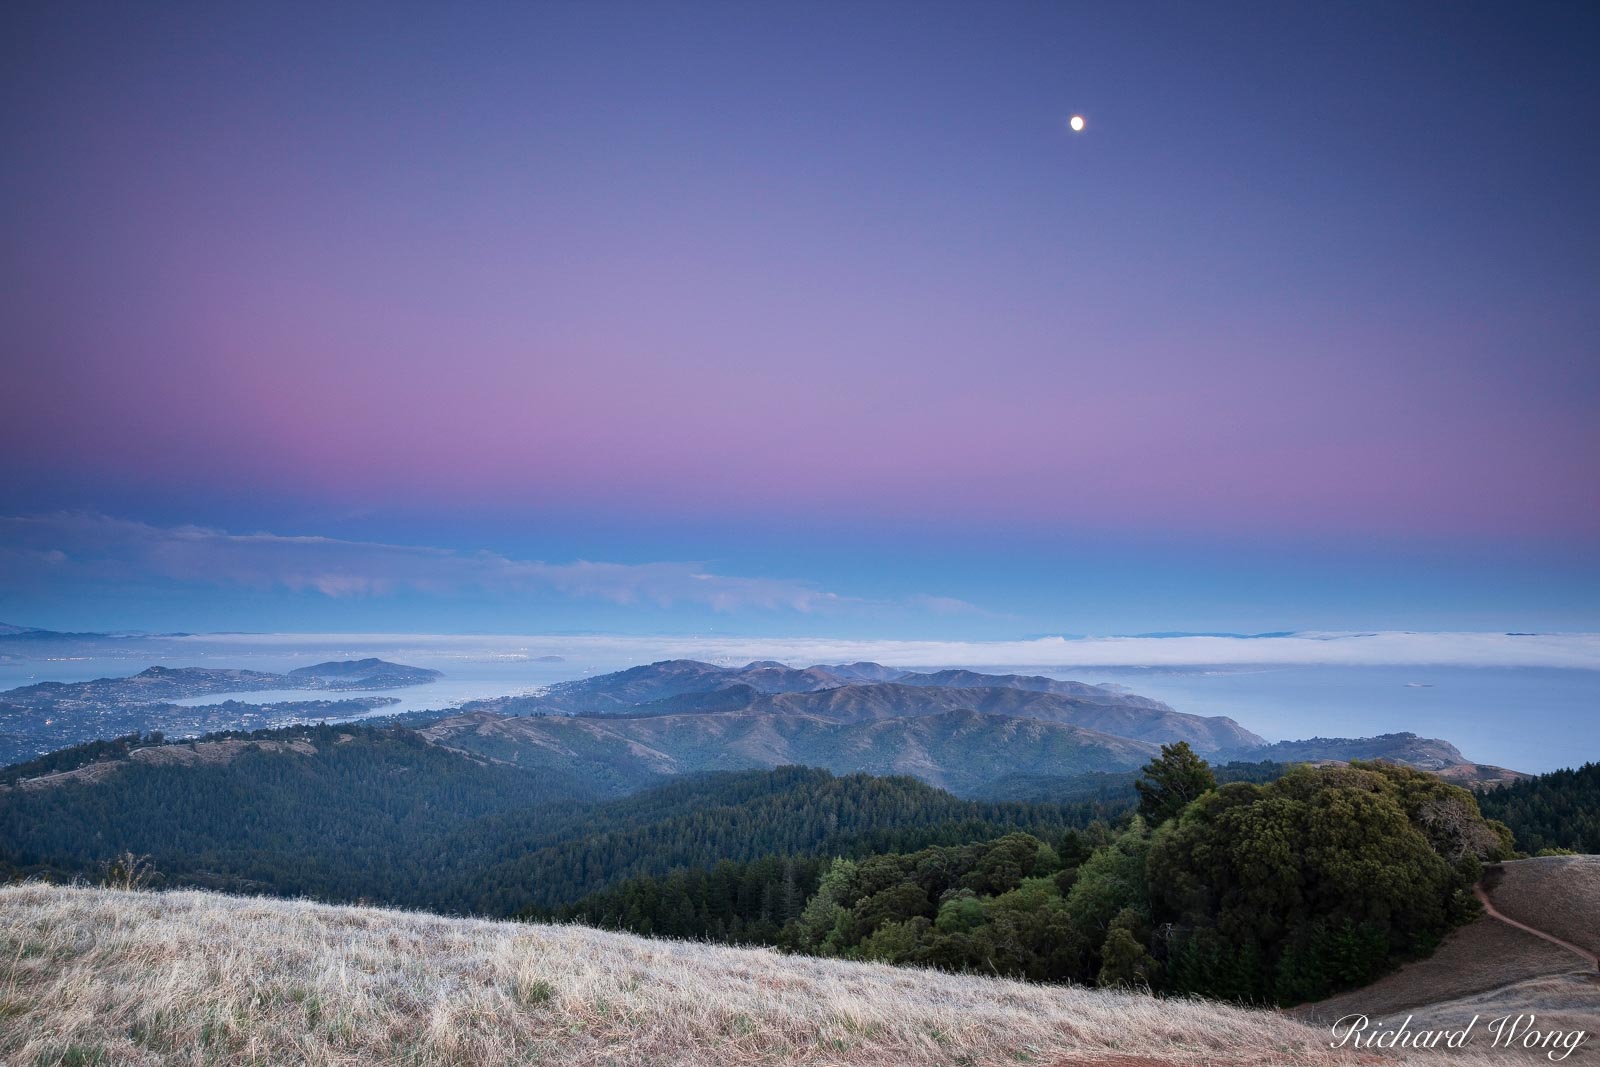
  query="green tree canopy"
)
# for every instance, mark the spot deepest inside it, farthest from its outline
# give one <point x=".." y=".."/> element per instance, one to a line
<point x="1315" y="882"/>
<point x="1172" y="782"/>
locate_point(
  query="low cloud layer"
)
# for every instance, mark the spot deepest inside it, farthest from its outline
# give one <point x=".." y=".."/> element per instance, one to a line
<point x="1398" y="649"/>
<point x="98" y="548"/>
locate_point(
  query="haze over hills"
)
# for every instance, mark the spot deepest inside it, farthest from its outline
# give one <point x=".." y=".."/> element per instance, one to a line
<point x="955" y="729"/>
<point x="959" y="729"/>
<point x="862" y="692"/>
<point x="45" y="716"/>
<point x="174" y="683"/>
<point x="1423" y="753"/>
<point x="957" y="749"/>
<point x="1133" y="717"/>
<point x="636" y="687"/>
<point x="1344" y="684"/>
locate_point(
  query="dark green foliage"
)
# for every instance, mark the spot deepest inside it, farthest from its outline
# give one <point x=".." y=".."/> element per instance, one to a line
<point x="1316" y="882"/>
<point x="1556" y="810"/>
<point x="740" y="903"/>
<point x="1112" y="882"/>
<point x="1125" y="962"/>
<point x="1325" y="955"/>
<point x="994" y="906"/>
<point x="1171" y="782"/>
<point x="381" y="815"/>
<point x="1277" y="892"/>
<point x="1110" y="793"/>
<point x="75" y="756"/>
<point x="361" y="819"/>
<point x="792" y="811"/>
<point x="1283" y="892"/>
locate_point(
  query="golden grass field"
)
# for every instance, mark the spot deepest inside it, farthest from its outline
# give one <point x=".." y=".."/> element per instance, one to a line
<point x="99" y="976"/>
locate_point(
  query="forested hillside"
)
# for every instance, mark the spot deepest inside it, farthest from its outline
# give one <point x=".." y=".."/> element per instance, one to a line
<point x="1287" y="891"/>
<point x="347" y="813"/>
<point x="1067" y="885"/>
<point x="354" y="817"/>
<point x="1558" y="810"/>
<point x="1114" y="790"/>
<point x="792" y="811"/>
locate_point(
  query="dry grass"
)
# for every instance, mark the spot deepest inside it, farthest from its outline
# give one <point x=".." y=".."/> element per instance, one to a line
<point x="1473" y="960"/>
<point x="1557" y="894"/>
<point x="111" y="977"/>
<point x="1491" y="969"/>
<point x="1560" y="1001"/>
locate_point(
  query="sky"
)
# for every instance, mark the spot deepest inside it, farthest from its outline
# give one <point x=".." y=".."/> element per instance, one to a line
<point x="800" y="319"/>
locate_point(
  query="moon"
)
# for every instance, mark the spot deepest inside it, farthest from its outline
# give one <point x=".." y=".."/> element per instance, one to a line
<point x="1076" y="122"/>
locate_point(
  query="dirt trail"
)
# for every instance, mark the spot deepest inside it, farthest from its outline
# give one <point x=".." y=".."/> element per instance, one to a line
<point x="1490" y="910"/>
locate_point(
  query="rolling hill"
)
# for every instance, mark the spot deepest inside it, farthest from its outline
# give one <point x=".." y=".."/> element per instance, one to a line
<point x="957" y="728"/>
<point x="862" y="691"/>
<point x="245" y="980"/>
<point x="1424" y="753"/>
<point x="347" y="813"/>
<point x="1154" y="723"/>
<point x="1499" y="965"/>
<point x="956" y="749"/>
<point x="616" y="733"/>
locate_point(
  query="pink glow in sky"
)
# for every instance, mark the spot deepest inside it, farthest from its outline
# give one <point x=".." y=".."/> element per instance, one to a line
<point x="726" y="263"/>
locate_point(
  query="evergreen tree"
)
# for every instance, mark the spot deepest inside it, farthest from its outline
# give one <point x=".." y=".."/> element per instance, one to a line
<point x="1125" y="961"/>
<point x="1171" y="782"/>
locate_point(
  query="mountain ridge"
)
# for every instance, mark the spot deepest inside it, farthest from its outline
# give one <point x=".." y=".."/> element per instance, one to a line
<point x="958" y="729"/>
<point x="870" y="691"/>
<point x="956" y="749"/>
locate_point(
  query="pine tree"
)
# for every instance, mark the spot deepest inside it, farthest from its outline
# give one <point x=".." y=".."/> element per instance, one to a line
<point x="1174" y="780"/>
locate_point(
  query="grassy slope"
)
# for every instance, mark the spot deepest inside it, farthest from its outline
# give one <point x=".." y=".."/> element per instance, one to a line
<point x="1557" y="894"/>
<point x="1491" y="969"/>
<point x="1477" y="959"/>
<point x="91" y="976"/>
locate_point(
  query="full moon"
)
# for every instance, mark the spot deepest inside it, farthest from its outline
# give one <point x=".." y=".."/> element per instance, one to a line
<point x="1076" y="122"/>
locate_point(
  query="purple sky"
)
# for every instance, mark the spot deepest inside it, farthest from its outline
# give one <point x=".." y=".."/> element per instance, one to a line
<point x="826" y="293"/>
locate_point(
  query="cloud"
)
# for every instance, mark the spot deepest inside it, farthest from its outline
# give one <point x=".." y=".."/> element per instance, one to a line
<point x="1051" y="654"/>
<point x="87" y="546"/>
<point x="944" y="605"/>
<point x="1398" y="649"/>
